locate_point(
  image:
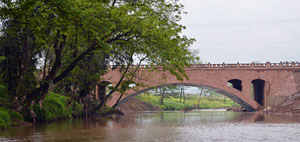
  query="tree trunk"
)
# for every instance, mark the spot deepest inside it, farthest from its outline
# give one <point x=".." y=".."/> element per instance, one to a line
<point x="199" y="98"/>
<point x="162" y="95"/>
<point x="39" y="93"/>
<point x="102" y="91"/>
<point x="180" y="94"/>
<point x="183" y="95"/>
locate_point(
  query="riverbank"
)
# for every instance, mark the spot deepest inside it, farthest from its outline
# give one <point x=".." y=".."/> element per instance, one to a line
<point x="55" y="107"/>
<point x="290" y="105"/>
<point x="134" y="104"/>
<point x="10" y="118"/>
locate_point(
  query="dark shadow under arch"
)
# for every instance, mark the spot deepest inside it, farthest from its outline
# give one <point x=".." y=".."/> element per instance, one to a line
<point x="258" y="91"/>
<point x="230" y="95"/>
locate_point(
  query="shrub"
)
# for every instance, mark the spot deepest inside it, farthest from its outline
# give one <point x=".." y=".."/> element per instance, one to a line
<point x="13" y="114"/>
<point x="55" y="108"/>
<point x="4" y="119"/>
<point x="76" y="109"/>
<point x="3" y="95"/>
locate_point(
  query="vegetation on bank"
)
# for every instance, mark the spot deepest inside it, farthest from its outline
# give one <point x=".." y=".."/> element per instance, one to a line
<point x="4" y="119"/>
<point x="56" y="107"/>
<point x="9" y="117"/>
<point x="173" y="103"/>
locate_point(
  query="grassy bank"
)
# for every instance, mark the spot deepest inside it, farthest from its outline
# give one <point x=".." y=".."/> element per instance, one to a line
<point x="172" y="103"/>
<point x="9" y="117"/>
<point x="56" y="107"/>
<point x="4" y="119"/>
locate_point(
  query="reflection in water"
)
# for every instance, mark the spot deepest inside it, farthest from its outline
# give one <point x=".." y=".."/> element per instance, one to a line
<point x="166" y="126"/>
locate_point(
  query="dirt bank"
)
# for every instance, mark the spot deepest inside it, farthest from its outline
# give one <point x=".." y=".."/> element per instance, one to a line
<point x="136" y="105"/>
<point x="290" y="105"/>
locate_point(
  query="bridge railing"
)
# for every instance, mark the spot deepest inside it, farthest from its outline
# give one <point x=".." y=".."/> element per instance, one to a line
<point x="267" y="65"/>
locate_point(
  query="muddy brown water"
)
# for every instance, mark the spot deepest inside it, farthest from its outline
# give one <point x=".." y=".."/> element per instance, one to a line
<point x="173" y="126"/>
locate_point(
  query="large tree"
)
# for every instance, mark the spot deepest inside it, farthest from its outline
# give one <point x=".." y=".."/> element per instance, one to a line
<point x="46" y="39"/>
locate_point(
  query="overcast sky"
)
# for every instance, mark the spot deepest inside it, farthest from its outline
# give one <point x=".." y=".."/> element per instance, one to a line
<point x="244" y="30"/>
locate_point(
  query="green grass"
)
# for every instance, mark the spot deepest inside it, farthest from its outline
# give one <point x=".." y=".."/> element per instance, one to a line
<point x="55" y="108"/>
<point x="169" y="103"/>
<point x="172" y="103"/>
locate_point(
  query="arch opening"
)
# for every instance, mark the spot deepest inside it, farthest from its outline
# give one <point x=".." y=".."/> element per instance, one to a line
<point x="236" y="84"/>
<point x="232" y="96"/>
<point x="258" y="91"/>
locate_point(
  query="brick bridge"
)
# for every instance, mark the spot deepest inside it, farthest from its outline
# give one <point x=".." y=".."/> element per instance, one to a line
<point x="272" y="82"/>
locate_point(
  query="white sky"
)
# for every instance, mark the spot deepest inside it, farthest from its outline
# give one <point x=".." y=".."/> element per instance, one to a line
<point x="243" y="31"/>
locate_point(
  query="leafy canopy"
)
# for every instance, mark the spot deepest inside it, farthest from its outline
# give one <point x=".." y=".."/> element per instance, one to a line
<point x="59" y="34"/>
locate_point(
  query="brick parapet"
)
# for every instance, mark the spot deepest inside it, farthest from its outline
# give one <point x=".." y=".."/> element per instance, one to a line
<point x="267" y="65"/>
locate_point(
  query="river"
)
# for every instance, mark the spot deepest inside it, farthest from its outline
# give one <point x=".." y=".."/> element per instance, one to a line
<point x="172" y="126"/>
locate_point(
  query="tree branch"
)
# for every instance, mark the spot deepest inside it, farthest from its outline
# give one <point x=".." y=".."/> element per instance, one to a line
<point x="114" y="2"/>
<point x="49" y="81"/>
<point x="118" y="37"/>
<point x="114" y="89"/>
<point x="73" y="64"/>
<point x="130" y="80"/>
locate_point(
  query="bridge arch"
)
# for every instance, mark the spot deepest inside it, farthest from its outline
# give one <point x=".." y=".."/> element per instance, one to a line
<point x="235" y="96"/>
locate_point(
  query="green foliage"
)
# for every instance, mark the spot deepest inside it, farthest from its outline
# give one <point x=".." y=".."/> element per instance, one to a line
<point x="13" y="114"/>
<point x="4" y="119"/>
<point x="77" y="110"/>
<point x="3" y="95"/>
<point x="55" y="107"/>
<point x="84" y="77"/>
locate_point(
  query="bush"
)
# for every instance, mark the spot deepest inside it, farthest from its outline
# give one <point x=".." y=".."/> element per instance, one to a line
<point x="13" y="114"/>
<point x="55" y="108"/>
<point x="4" y="119"/>
<point x="3" y="95"/>
<point x="77" y="109"/>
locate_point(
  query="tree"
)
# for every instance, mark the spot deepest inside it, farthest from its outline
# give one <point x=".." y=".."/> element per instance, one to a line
<point x="57" y="36"/>
<point x="162" y="96"/>
<point x="84" y="77"/>
<point x="200" y="95"/>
